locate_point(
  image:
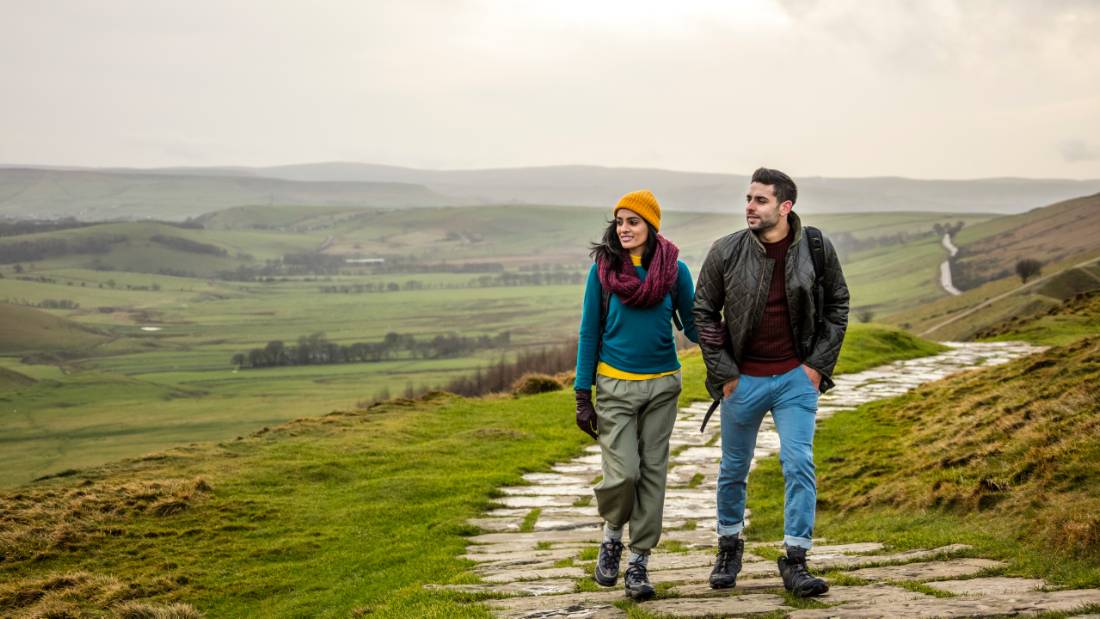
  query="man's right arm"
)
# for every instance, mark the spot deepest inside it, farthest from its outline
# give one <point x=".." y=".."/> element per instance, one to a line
<point x="710" y="299"/>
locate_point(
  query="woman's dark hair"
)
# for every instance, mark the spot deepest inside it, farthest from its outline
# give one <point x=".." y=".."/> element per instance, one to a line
<point x="611" y="250"/>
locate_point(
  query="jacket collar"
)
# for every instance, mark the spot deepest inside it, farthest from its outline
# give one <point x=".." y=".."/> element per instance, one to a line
<point x="796" y="228"/>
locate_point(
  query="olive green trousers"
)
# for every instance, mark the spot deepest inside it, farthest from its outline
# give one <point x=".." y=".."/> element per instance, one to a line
<point x="635" y="419"/>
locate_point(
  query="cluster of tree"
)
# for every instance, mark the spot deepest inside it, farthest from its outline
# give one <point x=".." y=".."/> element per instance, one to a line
<point x="15" y="227"/>
<point x="1026" y="268"/>
<point x="187" y="245"/>
<point x="40" y="249"/>
<point x="948" y="229"/>
<point x="412" y="265"/>
<point x="372" y="287"/>
<point x="312" y="263"/>
<point x="46" y="303"/>
<point x="845" y="242"/>
<point x="501" y="375"/>
<point x="528" y="279"/>
<point x="316" y="349"/>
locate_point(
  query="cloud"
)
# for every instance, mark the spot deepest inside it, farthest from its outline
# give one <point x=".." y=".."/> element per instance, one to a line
<point x="1075" y="151"/>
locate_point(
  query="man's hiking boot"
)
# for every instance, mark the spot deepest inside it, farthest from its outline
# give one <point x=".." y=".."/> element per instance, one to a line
<point x="728" y="563"/>
<point x="607" y="563"/>
<point x="796" y="578"/>
<point x="637" y="582"/>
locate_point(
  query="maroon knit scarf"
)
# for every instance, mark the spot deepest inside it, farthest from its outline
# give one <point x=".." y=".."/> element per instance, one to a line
<point x="659" y="279"/>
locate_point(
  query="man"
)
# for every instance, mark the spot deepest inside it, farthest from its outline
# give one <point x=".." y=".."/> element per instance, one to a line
<point x="776" y="351"/>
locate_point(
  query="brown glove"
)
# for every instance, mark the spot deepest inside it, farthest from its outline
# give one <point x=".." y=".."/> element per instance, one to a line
<point x="586" y="413"/>
<point x="714" y="335"/>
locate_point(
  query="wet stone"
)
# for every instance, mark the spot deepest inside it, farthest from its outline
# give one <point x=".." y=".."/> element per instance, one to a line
<point x="928" y="570"/>
<point x="717" y="606"/>
<point x="996" y="585"/>
<point x="546" y="490"/>
<point x="576" y="604"/>
<point x="533" y="587"/>
<point x="513" y="575"/>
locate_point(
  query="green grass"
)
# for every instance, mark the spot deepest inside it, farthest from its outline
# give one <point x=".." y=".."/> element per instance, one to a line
<point x="319" y="517"/>
<point x="865" y="346"/>
<point x="1003" y="459"/>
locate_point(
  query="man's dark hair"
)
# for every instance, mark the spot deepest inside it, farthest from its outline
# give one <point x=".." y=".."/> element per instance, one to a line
<point x="785" y="189"/>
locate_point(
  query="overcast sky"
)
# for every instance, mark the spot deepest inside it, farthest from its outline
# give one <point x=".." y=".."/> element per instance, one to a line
<point x="927" y="88"/>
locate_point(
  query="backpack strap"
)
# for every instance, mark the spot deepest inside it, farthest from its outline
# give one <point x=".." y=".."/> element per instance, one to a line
<point x="817" y="253"/>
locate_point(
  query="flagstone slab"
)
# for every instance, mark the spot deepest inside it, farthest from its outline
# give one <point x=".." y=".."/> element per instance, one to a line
<point x="1028" y="602"/>
<point x="848" y="562"/>
<point x="676" y="560"/>
<point x="927" y="570"/>
<point x="995" y="585"/>
<point x="574" y="535"/>
<point x="874" y="594"/>
<point x="717" y="606"/>
<point x="545" y="490"/>
<point x="513" y="575"/>
<point x="565" y="523"/>
<point x="549" y="586"/>
<point x="495" y="524"/>
<point x="531" y="502"/>
<point x="522" y="556"/>
<point x="576" y="603"/>
<point x="556" y="479"/>
<point x="744" y="585"/>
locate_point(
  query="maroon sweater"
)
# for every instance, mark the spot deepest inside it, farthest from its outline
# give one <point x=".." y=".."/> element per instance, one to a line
<point x="770" y="348"/>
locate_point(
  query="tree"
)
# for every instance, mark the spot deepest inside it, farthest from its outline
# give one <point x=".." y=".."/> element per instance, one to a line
<point x="1027" y="268"/>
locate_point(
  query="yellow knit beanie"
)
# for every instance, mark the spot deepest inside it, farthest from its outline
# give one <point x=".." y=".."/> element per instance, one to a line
<point x="644" y="204"/>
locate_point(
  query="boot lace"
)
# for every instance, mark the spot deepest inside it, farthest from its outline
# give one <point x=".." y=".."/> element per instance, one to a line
<point x="611" y="556"/>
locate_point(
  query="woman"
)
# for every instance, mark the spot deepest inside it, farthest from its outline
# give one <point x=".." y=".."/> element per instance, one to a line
<point x="627" y="349"/>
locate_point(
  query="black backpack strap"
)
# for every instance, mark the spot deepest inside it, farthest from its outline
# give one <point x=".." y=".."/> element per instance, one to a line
<point x="817" y="253"/>
<point x="675" y="292"/>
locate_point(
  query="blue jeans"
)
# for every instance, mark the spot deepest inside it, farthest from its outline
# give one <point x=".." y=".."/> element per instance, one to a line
<point x="792" y="399"/>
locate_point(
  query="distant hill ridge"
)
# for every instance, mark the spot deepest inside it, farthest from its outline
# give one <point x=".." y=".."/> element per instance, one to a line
<point x="99" y="193"/>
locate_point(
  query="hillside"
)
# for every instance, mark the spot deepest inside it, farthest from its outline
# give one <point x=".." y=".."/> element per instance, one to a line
<point x="1051" y="234"/>
<point x="1006" y="459"/>
<point x="696" y="191"/>
<point x="93" y="195"/>
<point x="26" y="329"/>
<point x="177" y="193"/>
<point x="302" y="510"/>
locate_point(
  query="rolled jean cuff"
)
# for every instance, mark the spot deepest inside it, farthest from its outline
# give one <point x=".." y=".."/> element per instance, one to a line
<point x="801" y="542"/>
<point x="732" y="529"/>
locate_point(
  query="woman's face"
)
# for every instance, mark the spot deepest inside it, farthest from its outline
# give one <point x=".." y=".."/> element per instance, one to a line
<point x="631" y="229"/>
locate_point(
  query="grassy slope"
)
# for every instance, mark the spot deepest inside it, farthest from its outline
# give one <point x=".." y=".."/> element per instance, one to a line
<point x="1076" y="317"/>
<point x="332" y="515"/>
<point x="1019" y="302"/>
<point x="26" y="329"/>
<point x="1049" y="234"/>
<point x="1005" y="459"/>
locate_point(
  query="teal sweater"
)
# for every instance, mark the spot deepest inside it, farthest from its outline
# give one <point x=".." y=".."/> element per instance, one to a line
<point x="634" y="339"/>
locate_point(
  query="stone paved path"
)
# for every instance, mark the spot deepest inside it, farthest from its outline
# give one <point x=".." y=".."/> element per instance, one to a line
<point x="544" y="572"/>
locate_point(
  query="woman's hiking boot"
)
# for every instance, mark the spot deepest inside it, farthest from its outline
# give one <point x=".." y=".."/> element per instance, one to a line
<point x="637" y="582"/>
<point x="607" y="563"/>
<point x="796" y="578"/>
<point x="728" y="563"/>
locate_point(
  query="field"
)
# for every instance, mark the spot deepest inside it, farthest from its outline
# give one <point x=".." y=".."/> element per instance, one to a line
<point x="327" y="516"/>
<point x="139" y="358"/>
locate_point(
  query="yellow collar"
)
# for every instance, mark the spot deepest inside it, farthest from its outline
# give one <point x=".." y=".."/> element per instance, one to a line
<point x="637" y="260"/>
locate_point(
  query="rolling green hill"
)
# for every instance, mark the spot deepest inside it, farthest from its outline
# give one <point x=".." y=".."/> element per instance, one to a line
<point x="1051" y="234"/>
<point x="26" y="330"/>
<point x="92" y="195"/>
<point x="287" y="520"/>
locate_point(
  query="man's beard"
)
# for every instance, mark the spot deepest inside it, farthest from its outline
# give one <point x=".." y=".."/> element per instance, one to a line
<point x="763" y="224"/>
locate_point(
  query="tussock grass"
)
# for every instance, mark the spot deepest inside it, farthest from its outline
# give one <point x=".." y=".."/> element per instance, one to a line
<point x="1006" y="459"/>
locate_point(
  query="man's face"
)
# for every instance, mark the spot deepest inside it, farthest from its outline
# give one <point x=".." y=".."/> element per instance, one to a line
<point x="762" y="210"/>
